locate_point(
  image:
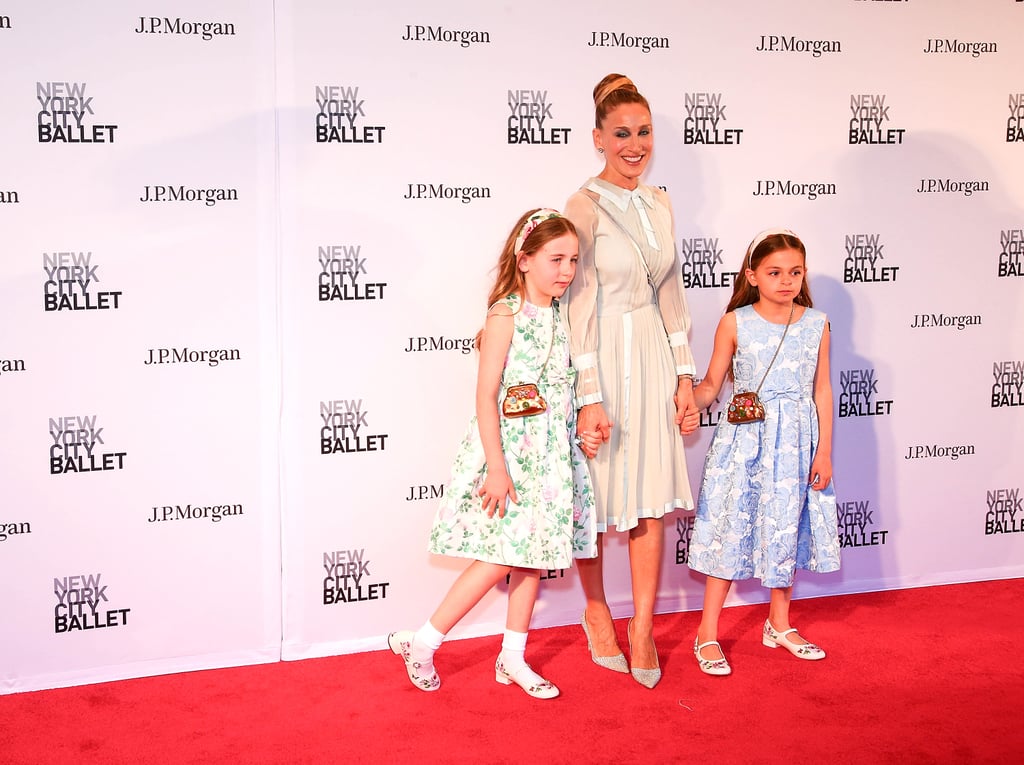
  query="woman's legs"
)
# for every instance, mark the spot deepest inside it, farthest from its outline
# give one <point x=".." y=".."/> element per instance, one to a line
<point x="597" y="613"/>
<point x="646" y="543"/>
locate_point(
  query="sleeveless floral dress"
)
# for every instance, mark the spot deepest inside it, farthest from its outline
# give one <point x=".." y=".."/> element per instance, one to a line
<point x="756" y="514"/>
<point x="554" y="520"/>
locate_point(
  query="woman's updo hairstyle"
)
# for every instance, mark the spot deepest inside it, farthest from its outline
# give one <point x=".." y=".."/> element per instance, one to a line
<point x="613" y="91"/>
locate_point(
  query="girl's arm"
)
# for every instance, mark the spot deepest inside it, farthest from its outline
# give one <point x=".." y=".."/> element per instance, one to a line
<point x="821" y="465"/>
<point x="494" y="345"/>
<point x="721" y="360"/>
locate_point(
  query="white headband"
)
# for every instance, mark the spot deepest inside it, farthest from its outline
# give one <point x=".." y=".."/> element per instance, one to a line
<point x="761" y="237"/>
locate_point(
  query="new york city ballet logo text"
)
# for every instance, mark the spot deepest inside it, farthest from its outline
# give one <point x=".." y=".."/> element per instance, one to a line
<point x="338" y="108"/>
<point x="66" y="115"/>
<point x="74" y="449"/>
<point x="79" y="601"/>
<point x="864" y="260"/>
<point x="704" y="121"/>
<point x="1015" y="123"/>
<point x="870" y="113"/>
<point x="529" y="123"/>
<point x="347" y="575"/>
<point x="684" y="531"/>
<point x="341" y="270"/>
<point x="344" y="428"/>
<point x="703" y="265"/>
<point x="1011" y="242"/>
<point x="71" y="284"/>
<point x="1004" y="514"/>
<point x="1008" y="388"/>
<point x="857" y="526"/>
<point x="858" y="395"/>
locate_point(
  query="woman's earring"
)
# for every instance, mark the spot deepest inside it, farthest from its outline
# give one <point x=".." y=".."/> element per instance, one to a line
<point x="600" y="151"/>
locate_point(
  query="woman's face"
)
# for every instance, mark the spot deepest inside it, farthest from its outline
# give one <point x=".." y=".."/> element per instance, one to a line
<point x="627" y="138"/>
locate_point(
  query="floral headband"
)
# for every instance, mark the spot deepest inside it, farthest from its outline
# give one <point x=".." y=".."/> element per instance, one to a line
<point x="545" y="213"/>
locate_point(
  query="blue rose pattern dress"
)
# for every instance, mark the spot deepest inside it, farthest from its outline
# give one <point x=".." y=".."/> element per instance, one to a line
<point x="554" y="519"/>
<point x="756" y="514"/>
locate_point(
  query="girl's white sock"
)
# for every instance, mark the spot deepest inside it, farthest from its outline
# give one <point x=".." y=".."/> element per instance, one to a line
<point x="513" y="649"/>
<point x="424" y="643"/>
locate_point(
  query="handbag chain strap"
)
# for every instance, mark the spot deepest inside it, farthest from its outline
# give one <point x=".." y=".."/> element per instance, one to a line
<point x="789" y="321"/>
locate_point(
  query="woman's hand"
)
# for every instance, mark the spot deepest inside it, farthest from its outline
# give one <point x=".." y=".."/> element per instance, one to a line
<point x="687" y="414"/>
<point x="592" y="419"/>
<point x="496" y="491"/>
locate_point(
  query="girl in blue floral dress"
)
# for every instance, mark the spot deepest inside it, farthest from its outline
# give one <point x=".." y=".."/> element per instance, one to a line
<point x="766" y="505"/>
<point x="520" y="499"/>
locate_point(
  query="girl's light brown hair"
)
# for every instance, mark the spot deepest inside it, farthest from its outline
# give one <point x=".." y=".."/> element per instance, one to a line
<point x="744" y="293"/>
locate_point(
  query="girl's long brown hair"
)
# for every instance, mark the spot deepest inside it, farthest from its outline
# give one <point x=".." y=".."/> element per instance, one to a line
<point x="744" y="293"/>
<point x="509" y="279"/>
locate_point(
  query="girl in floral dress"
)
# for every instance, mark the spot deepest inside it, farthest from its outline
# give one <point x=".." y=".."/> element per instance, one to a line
<point x="519" y="500"/>
<point x="766" y="505"/>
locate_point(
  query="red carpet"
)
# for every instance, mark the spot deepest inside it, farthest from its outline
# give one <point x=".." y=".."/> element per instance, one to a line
<point x="929" y="675"/>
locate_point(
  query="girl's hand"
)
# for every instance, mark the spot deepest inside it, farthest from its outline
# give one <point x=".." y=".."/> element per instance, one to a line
<point x="496" y="492"/>
<point x="687" y="414"/>
<point x="589" y="442"/>
<point x="821" y="472"/>
<point x="592" y="419"/>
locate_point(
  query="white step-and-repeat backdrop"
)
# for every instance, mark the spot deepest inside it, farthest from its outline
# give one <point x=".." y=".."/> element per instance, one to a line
<point x="245" y="247"/>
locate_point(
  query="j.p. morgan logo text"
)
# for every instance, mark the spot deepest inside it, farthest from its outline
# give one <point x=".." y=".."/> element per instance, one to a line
<point x="858" y="396"/>
<point x="424" y="344"/>
<point x="1011" y="243"/>
<point x="464" y="194"/>
<point x="426" y="33"/>
<point x="643" y="43"/>
<point x="342" y="269"/>
<point x="209" y="197"/>
<point x="8" y="530"/>
<point x="338" y="110"/>
<point x="777" y="188"/>
<point x="926" y="320"/>
<point x="207" y="30"/>
<point x="934" y="451"/>
<point x="949" y="186"/>
<point x="529" y="123"/>
<point x="71" y="284"/>
<point x="1008" y="389"/>
<point x="1004" y="514"/>
<point x="190" y="512"/>
<point x="1015" y="123"/>
<point x="11" y="365"/>
<point x="704" y="121"/>
<point x="868" y="125"/>
<point x="703" y="266"/>
<point x="211" y="357"/>
<point x="66" y="115"/>
<point x="346" y="579"/>
<point x="9" y="197"/>
<point x="344" y="428"/>
<point x="79" y="601"/>
<point x="937" y="45"/>
<point x="857" y="525"/>
<point x="74" y="449"/>
<point x="783" y="44"/>
<point x="865" y="260"/>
